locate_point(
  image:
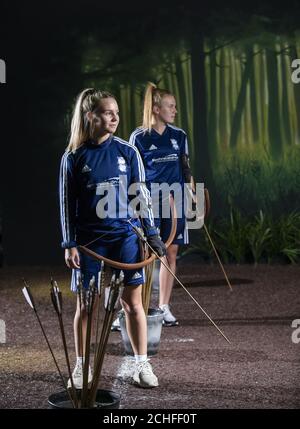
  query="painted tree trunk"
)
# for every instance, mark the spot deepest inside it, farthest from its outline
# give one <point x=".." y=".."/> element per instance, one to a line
<point x="273" y="108"/>
<point x="253" y="103"/>
<point x="212" y="91"/>
<point x="201" y="162"/>
<point x="241" y="101"/>
<point x="297" y="96"/>
<point x="182" y="102"/>
<point x="286" y="124"/>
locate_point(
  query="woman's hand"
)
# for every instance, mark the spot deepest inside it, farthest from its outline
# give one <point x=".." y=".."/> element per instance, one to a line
<point x="157" y="245"/>
<point x="72" y="257"/>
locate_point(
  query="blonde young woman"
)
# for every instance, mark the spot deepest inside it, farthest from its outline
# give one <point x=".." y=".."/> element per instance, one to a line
<point x="164" y="150"/>
<point x="95" y="157"/>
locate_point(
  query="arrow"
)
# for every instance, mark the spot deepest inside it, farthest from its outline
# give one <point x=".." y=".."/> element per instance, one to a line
<point x="29" y="299"/>
<point x="56" y="297"/>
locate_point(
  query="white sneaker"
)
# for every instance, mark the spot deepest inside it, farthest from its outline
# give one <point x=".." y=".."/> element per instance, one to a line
<point x="116" y="325"/>
<point x="77" y="376"/>
<point x="169" y="319"/>
<point x="143" y="375"/>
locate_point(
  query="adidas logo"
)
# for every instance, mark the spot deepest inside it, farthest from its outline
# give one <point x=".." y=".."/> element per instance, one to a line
<point x="86" y="169"/>
<point x="137" y="275"/>
<point x="152" y="147"/>
<point x="179" y="236"/>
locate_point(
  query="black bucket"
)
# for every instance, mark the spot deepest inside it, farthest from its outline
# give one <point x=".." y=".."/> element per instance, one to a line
<point x="154" y="324"/>
<point x="104" y="399"/>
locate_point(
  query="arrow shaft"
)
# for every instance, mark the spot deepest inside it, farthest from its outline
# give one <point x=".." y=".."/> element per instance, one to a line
<point x="89" y="313"/>
<point x="54" y="359"/>
<point x="217" y="256"/>
<point x="195" y="301"/>
<point x="62" y="330"/>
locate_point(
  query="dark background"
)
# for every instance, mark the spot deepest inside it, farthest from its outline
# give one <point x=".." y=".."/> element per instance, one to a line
<point x="43" y="46"/>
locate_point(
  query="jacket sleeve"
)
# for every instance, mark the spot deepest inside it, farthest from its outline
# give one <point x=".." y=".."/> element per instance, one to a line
<point x="184" y="146"/>
<point x="185" y="160"/>
<point x="67" y="200"/>
<point x="132" y="139"/>
<point x="138" y="178"/>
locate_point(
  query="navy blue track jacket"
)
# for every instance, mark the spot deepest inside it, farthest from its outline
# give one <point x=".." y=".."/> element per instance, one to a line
<point x="84" y="176"/>
<point x="161" y="154"/>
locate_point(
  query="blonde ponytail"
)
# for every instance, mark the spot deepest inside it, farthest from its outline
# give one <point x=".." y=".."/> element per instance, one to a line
<point x="153" y="97"/>
<point x="81" y="129"/>
<point x="148" y="105"/>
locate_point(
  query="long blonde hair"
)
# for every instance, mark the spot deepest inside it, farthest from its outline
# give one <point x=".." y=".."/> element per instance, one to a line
<point x="153" y="97"/>
<point x="81" y="129"/>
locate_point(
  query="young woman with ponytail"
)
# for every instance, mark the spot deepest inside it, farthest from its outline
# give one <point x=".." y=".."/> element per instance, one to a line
<point x="95" y="157"/>
<point x="164" y="151"/>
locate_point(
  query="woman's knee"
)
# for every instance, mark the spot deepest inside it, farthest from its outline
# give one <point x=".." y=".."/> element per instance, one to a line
<point x="172" y="254"/>
<point x="131" y="308"/>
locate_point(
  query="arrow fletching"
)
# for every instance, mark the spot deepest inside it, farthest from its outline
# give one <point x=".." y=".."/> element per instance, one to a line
<point x="101" y="279"/>
<point x="59" y="298"/>
<point x="28" y="296"/>
<point x="53" y="299"/>
<point x="56" y="298"/>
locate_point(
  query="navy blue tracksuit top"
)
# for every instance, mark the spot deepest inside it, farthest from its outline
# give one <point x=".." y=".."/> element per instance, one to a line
<point x="85" y="175"/>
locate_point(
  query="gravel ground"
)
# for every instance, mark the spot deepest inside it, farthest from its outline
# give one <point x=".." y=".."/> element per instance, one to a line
<point x="196" y="367"/>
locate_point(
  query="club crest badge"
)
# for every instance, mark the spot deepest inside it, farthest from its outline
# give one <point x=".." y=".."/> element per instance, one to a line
<point x="174" y="144"/>
<point x="122" y="164"/>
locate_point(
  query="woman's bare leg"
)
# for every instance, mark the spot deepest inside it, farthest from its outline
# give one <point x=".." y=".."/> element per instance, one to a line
<point x="136" y="322"/>
<point x="78" y="330"/>
<point x="166" y="280"/>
